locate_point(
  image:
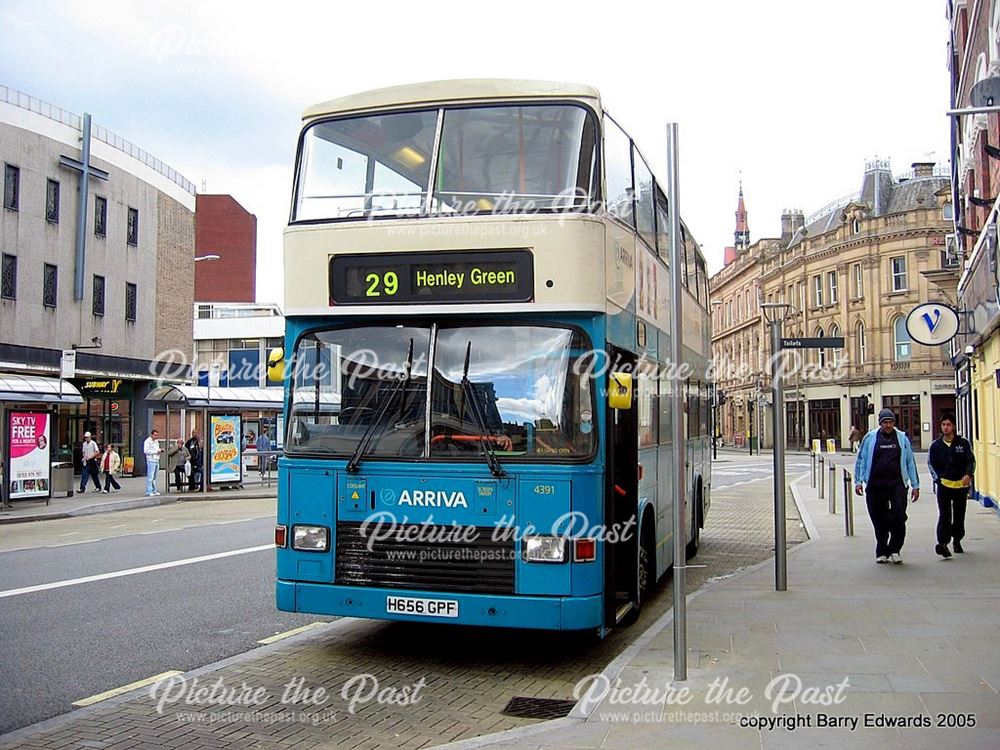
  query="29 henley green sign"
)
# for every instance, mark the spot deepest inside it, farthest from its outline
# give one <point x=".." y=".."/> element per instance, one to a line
<point x="425" y="278"/>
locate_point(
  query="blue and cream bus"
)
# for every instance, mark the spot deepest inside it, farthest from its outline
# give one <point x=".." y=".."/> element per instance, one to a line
<point x="468" y="266"/>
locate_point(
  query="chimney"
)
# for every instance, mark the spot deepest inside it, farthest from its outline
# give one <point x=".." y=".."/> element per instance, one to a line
<point x="786" y="226"/>
<point x="798" y="220"/>
<point x="923" y="169"/>
<point x="792" y="220"/>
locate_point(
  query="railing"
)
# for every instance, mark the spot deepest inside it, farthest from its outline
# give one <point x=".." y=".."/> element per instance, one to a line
<point x="841" y="201"/>
<point x="217" y="311"/>
<point x="51" y="111"/>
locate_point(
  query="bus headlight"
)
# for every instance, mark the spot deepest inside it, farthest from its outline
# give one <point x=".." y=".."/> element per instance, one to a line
<point x="546" y="549"/>
<point x="311" y="538"/>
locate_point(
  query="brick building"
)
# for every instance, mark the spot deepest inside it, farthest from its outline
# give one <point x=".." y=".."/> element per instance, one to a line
<point x="123" y="295"/>
<point x="974" y="55"/>
<point x="225" y="229"/>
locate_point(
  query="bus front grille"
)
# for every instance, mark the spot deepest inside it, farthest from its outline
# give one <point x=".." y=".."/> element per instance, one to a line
<point x="429" y="558"/>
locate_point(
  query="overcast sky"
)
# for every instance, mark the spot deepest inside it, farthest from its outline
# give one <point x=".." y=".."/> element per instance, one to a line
<point x="793" y="94"/>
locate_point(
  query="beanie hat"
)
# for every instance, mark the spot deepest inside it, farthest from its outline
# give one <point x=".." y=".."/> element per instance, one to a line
<point x="886" y="414"/>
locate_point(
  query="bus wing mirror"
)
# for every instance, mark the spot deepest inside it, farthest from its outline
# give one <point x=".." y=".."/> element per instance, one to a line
<point x="620" y="390"/>
<point x="276" y="366"/>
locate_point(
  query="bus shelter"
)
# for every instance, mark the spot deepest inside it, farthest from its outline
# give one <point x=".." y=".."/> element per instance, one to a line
<point x="221" y="414"/>
<point x="27" y="437"/>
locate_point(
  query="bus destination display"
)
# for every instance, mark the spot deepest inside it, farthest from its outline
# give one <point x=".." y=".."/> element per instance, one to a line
<point x="425" y="278"/>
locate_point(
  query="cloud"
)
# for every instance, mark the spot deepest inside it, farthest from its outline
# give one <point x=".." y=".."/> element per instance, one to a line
<point x="789" y="93"/>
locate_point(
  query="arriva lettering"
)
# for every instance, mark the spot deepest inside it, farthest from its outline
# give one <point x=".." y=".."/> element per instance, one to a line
<point x="433" y="499"/>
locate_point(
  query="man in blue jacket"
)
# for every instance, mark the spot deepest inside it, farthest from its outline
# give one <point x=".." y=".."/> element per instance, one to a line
<point x="885" y="471"/>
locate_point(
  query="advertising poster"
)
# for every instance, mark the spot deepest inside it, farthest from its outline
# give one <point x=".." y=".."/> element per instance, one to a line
<point x="224" y="449"/>
<point x="28" y="448"/>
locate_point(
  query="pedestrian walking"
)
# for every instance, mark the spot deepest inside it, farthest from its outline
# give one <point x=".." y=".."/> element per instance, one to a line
<point x="89" y="452"/>
<point x="951" y="464"/>
<point x="152" y="450"/>
<point x="854" y="438"/>
<point x="111" y="462"/>
<point x="179" y="464"/>
<point x="264" y="446"/>
<point x="197" y="460"/>
<point x="886" y="472"/>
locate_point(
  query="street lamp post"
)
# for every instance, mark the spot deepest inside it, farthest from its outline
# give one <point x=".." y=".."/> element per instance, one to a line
<point x="775" y="313"/>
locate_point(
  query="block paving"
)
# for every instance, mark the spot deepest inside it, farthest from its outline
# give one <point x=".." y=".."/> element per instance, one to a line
<point x="469" y="674"/>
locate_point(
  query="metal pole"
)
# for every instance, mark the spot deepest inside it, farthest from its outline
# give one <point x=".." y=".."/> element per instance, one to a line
<point x="848" y="505"/>
<point x="778" y="429"/>
<point x="821" y="475"/>
<point x="813" y="476"/>
<point x="680" y="573"/>
<point x="833" y="489"/>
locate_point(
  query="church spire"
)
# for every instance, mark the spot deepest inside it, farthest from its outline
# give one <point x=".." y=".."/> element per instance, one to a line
<point x="742" y="234"/>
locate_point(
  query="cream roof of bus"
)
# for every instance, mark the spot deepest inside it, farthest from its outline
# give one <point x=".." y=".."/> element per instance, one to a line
<point x="439" y="92"/>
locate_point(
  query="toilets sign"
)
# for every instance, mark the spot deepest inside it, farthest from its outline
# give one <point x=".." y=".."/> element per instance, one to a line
<point x="932" y="324"/>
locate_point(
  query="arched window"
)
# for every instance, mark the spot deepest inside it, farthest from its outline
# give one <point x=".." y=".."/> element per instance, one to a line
<point x="836" y="358"/>
<point x="901" y="340"/>
<point x="861" y="346"/>
<point x="822" y="352"/>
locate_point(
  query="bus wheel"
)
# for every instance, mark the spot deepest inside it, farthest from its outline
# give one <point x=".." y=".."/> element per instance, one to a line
<point x="646" y="573"/>
<point x="693" y="546"/>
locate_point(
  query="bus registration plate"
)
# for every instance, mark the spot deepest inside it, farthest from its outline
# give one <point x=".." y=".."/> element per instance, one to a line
<point x="406" y="605"/>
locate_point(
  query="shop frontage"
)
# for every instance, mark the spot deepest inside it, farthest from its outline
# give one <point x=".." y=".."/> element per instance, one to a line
<point x="30" y="466"/>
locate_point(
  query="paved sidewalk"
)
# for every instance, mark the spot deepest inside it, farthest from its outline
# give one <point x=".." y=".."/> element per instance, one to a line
<point x="132" y="495"/>
<point x="915" y="642"/>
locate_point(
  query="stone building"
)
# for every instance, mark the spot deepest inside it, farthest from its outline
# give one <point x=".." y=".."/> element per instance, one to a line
<point x="118" y="285"/>
<point x="854" y="270"/>
<point x="973" y="56"/>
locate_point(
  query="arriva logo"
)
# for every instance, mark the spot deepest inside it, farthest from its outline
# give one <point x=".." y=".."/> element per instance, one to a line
<point x="433" y="499"/>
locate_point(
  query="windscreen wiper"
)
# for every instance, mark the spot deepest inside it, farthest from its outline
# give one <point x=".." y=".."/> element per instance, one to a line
<point x="477" y="411"/>
<point x="373" y="428"/>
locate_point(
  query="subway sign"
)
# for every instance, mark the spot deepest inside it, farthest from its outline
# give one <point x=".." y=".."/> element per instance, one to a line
<point x="426" y="278"/>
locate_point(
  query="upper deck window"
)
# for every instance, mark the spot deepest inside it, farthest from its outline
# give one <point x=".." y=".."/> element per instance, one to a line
<point x="366" y="165"/>
<point x="504" y="159"/>
<point x="514" y="159"/>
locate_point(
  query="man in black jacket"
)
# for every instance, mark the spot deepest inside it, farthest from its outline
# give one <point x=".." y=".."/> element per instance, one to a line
<point x="197" y="461"/>
<point x="952" y="464"/>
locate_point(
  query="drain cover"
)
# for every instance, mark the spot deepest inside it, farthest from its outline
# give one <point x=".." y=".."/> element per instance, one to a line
<point x="538" y="708"/>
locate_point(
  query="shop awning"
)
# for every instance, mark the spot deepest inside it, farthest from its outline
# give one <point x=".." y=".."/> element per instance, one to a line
<point x="203" y="397"/>
<point x="35" y="389"/>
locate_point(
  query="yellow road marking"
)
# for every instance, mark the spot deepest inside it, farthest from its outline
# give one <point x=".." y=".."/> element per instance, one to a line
<point x="290" y="633"/>
<point x="124" y="688"/>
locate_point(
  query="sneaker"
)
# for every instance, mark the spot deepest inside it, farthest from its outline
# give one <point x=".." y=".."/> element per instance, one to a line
<point x="105" y="492"/>
<point x="942" y="550"/>
<point x="150" y="494"/>
<point x="896" y="558"/>
<point x="958" y="547"/>
<point x="882" y="559"/>
<point x="156" y="494"/>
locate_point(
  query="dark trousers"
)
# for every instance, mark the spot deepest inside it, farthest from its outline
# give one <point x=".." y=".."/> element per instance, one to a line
<point x="951" y="513"/>
<point x="89" y="472"/>
<point x="110" y="481"/>
<point x="887" y="509"/>
<point x="194" y="481"/>
<point x="180" y="478"/>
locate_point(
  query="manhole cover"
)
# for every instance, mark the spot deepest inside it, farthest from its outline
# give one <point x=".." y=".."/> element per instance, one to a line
<point x="538" y="708"/>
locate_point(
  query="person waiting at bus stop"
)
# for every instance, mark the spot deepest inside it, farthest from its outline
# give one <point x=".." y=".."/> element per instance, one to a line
<point x="951" y="464"/>
<point x="263" y="446"/>
<point x="885" y="471"/>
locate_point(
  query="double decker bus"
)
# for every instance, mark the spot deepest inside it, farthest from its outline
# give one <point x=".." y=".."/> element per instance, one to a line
<point x="478" y="416"/>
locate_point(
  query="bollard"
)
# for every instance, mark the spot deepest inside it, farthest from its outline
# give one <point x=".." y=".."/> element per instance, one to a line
<point x="833" y="488"/>
<point x="820" y="477"/>
<point x="848" y="504"/>
<point x="813" y="482"/>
